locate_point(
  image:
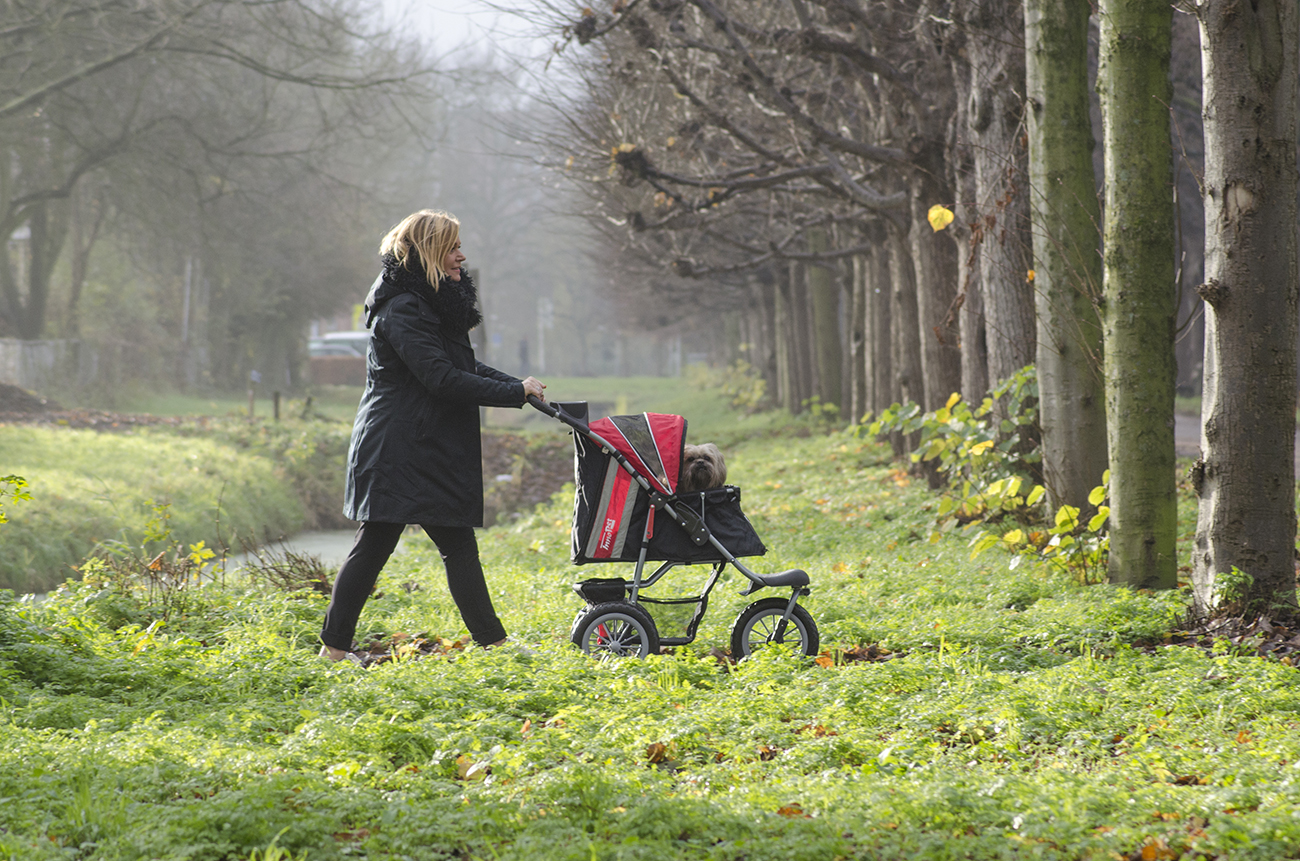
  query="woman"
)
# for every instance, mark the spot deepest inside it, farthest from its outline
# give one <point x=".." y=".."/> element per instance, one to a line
<point x="415" y="455"/>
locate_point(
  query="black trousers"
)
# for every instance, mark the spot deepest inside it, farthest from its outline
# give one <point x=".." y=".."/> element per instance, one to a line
<point x="374" y="544"/>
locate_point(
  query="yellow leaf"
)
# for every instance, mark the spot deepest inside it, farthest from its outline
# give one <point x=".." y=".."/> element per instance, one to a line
<point x="1029" y="276"/>
<point x="1067" y="517"/>
<point x="952" y="400"/>
<point x="1035" y="495"/>
<point x="1014" y="537"/>
<point x="939" y="217"/>
<point x="1097" y="494"/>
<point x="981" y="447"/>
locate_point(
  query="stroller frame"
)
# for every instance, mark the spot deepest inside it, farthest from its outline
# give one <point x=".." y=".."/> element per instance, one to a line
<point x="608" y="592"/>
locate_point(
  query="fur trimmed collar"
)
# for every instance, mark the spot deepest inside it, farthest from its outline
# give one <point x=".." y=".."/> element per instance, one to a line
<point x="456" y="302"/>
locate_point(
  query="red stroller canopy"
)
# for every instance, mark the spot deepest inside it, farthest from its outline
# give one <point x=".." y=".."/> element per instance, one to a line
<point x="652" y="443"/>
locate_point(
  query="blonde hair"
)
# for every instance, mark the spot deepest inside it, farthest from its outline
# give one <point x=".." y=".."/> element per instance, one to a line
<point x="430" y="234"/>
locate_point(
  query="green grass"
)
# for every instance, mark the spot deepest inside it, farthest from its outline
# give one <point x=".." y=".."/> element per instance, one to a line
<point x="1022" y="715"/>
<point x="338" y="403"/>
<point x="710" y="415"/>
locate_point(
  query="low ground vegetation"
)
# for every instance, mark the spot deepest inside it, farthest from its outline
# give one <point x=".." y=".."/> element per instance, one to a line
<point x="961" y="709"/>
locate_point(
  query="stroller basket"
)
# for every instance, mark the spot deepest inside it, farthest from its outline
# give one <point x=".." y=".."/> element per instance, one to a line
<point x="610" y="509"/>
<point x="601" y="590"/>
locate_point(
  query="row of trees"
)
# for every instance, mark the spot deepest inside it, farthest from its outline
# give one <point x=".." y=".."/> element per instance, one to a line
<point x="753" y="150"/>
<point x="197" y="168"/>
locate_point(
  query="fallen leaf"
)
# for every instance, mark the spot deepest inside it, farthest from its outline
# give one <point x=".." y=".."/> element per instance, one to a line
<point x="468" y="769"/>
<point x="656" y="752"/>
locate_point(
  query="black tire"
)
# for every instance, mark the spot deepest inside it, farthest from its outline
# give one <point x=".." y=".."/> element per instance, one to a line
<point x="756" y="625"/>
<point x="615" y="629"/>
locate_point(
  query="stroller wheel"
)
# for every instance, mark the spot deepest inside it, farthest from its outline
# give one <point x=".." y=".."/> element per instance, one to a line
<point x="756" y="626"/>
<point x="615" y="629"/>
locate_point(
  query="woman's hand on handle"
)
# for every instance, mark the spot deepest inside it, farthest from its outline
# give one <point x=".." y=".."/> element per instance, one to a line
<point x="534" y="387"/>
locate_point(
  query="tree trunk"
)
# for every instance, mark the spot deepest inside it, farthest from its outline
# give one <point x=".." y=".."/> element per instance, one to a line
<point x="961" y="166"/>
<point x="84" y="228"/>
<point x="805" y="364"/>
<point x="904" y="333"/>
<point x="884" y="389"/>
<point x="1067" y="267"/>
<point x="49" y="228"/>
<point x="1138" y="279"/>
<point x="859" y="366"/>
<point x="824" y="318"/>
<point x="997" y="80"/>
<point x="783" y="328"/>
<point x="974" y="344"/>
<point x="765" y="354"/>
<point x="935" y="263"/>
<point x="1246" y="477"/>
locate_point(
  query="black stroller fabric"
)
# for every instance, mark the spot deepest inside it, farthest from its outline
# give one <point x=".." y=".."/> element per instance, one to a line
<point x="610" y="512"/>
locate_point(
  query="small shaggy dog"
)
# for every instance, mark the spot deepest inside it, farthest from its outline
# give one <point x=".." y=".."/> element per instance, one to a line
<point x="702" y="468"/>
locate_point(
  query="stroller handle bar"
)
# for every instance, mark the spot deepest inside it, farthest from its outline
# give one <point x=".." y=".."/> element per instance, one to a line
<point x="543" y="407"/>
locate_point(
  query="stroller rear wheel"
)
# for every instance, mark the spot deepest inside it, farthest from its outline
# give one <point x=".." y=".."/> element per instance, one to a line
<point x="756" y="626"/>
<point x="615" y="629"/>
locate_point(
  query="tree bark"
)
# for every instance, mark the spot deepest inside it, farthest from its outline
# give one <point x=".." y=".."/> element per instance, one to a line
<point x="935" y="262"/>
<point x="783" y="328"/>
<point x="824" y="302"/>
<point x="1067" y="266"/>
<point x="1246" y="475"/>
<point x="859" y="366"/>
<point x="884" y="389"/>
<point x="905" y="332"/>
<point x="1138" y="285"/>
<point x="997" y="81"/>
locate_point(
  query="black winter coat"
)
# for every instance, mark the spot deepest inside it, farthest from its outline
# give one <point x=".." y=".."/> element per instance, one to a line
<point x="416" y="455"/>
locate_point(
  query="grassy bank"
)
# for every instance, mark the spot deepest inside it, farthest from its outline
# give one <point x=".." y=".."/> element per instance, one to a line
<point x="962" y="710"/>
<point x="221" y="482"/>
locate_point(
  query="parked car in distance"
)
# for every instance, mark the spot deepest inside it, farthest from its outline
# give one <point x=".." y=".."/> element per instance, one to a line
<point x="339" y="344"/>
<point x="338" y="358"/>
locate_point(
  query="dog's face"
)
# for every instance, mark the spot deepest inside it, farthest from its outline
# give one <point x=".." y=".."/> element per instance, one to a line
<point x="702" y="468"/>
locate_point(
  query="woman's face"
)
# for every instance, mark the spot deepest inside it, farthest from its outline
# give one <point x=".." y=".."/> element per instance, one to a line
<point x="451" y="263"/>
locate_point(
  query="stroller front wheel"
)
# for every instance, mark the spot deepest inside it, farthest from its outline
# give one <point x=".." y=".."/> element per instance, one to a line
<point x="756" y="626"/>
<point x="615" y="629"/>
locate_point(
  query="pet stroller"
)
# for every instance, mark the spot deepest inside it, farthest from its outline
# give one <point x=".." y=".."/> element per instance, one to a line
<point x="627" y="508"/>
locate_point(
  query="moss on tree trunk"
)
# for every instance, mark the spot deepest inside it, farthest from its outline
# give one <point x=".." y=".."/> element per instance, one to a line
<point x="1067" y="268"/>
<point x="1138" y="286"/>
